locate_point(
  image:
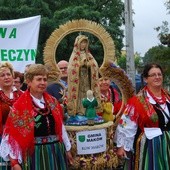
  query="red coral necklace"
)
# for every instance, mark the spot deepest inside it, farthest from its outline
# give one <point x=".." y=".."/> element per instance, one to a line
<point x="161" y="100"/>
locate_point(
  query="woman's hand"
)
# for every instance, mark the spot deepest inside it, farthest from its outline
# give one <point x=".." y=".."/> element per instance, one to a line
<point x="16" y="167"/>
<point x="69" y="157"/>
<point x="15" y="164"/>
<point x="121" y="153"/>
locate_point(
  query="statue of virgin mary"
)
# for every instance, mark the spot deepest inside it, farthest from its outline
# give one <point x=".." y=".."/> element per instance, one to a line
<point x="82" y="76"/>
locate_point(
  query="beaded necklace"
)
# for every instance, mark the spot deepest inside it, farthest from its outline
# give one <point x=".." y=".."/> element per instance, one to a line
<point x="161" y="100"/>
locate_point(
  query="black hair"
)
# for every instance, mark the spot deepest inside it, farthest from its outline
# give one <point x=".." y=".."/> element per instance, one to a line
<point x="148" y="67"/>
<point x="20" y="75"/>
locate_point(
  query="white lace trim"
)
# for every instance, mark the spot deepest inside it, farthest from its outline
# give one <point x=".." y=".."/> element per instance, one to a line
<point x="126" y="142"/>
<point x="125" y="133"/>
<point x="6" y="150"/>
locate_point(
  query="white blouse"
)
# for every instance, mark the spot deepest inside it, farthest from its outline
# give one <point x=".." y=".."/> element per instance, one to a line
<point x="125" y="132"/>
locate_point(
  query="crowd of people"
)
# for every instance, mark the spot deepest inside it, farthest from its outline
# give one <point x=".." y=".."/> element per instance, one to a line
<point x="33" y="134"/>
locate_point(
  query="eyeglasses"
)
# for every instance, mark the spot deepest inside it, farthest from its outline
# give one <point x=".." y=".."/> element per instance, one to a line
<point x="155" y="75"/>
<point x="63" y="68"/>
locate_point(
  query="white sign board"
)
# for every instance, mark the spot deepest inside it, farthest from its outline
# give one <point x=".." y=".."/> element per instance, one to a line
<point x="18" y="41"/>
<point x="90" y="142"/>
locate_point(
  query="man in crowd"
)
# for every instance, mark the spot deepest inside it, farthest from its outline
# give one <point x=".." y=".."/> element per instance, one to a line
<point x="63" y="65"/>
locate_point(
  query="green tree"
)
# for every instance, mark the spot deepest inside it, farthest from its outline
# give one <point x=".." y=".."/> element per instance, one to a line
<point x="163" y="30"/>
<point x="167" y="4"/>
<point x="164" y="35"/>
<point x="122" y="61"/>
<point x="54" y="13"/>
<point x="160" y="54"/>
<point x="138" y="62"/>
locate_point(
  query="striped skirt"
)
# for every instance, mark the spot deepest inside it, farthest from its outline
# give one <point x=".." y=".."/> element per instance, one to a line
<point x="153" y="154"/>
<point x="129" y="163"/>
<point x="48" y="156"/>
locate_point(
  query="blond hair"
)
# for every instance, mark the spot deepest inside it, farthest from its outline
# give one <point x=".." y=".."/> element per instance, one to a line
<point x="7" y="65"/>
<point x="35" y="70"/>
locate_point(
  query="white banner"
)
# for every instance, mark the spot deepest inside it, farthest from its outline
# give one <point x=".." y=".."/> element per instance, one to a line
<point x="18" y="41"/>
<point x="90" y="142"/>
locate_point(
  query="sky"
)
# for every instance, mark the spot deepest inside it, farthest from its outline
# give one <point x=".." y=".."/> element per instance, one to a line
<point x="149" y="14"/>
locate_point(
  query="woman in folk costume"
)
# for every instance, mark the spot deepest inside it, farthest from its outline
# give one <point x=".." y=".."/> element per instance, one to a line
<point x="145" y="124"/>
<point x="110" y="99"/>
<point x="8" y="95"/>
<point x="34" y="136"/>
<point x="82" y="76"/>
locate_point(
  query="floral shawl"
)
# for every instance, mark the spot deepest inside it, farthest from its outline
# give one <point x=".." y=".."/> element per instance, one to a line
<point x="144" y="113"/>
<point x="20" y="122"/>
